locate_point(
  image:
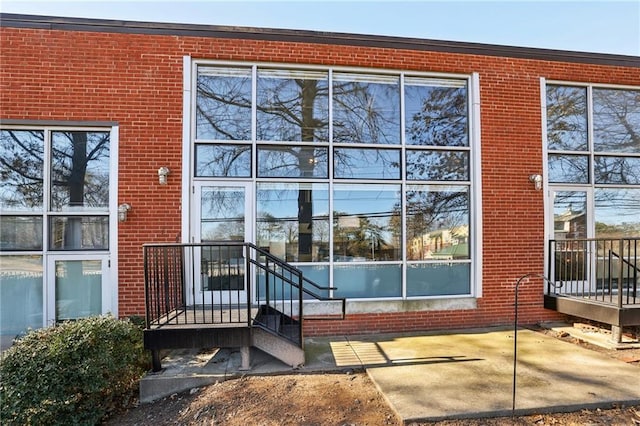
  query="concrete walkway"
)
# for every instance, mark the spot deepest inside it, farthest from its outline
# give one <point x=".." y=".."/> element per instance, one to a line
<point x="433" y="376"/>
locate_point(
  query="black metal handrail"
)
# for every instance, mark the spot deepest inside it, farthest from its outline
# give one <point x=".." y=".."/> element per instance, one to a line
<point x="635" y="269"/>
<point x="342" y="300"/>
<point x="211" y="283"/>
<point x="172" y="269"/>
<point x="604" y="270"/>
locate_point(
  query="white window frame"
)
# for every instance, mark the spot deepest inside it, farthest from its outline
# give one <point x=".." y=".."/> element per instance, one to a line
<point x="109" y="256"/>
<point x="589" y="187"/>
<point x="190" y="72"/>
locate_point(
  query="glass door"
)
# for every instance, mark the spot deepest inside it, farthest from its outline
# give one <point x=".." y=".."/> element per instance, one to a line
<point x="572" y="222"/>
<point x="222" y="214"/>
<point x="570" y="216"/>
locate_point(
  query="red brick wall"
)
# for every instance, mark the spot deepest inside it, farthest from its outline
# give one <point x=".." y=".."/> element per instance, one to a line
<point x="136" y="80"/>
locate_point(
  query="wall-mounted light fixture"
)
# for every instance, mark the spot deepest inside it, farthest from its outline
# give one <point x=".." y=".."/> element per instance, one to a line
<point x="163" y="172"/>
<point x="537" y="181"/>
<point x="123" y="209"/>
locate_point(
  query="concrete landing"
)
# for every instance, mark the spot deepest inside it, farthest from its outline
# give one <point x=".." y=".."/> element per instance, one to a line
<point x="439" y="375"/>
<point x="470" y="374"/>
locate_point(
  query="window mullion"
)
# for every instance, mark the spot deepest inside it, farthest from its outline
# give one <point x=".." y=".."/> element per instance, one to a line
<point x="403" y="190"/>
<point x="331" y="181"/>
<point x="46" y="189"/>
<point x="590" y="134"/>
<point x="254" y="121"/>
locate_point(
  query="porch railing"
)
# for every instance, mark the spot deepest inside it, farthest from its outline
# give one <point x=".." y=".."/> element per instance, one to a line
<point x="211" y="284"/>
<point x="603" y="270"/>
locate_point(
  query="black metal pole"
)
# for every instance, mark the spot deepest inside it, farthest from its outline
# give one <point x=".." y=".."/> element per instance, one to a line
<point x="515" y="344"/>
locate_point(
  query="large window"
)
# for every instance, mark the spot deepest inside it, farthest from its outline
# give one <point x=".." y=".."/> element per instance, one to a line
<point x="54" y="204"/>
<point x="361" y="179"/>
<point x="593" y="145"/>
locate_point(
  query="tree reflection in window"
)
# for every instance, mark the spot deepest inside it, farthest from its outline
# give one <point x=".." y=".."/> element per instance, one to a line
<point x="223" y="103"/>
<point x="366" y="109"/>
<point x="21" y="169"/>
<point x="437" y="165"/>
<point x="436" y="112"/>
<point x="291" y="110"/>
<point x="292" y="161"/>
<point x="293" y="106"/>
<point x="437" y="222"/>
<point x="617" y="170"/>
<point x="226" y="160"/>
<point x="616" y="120"/>
<point x="568" y="168"/>
<point x="79" y="166"/>
<point x="285" y="230"/>
<point x="615" y="125"/>
<point x="354" y="163"/>
<point x="79" y="170"/>
<point x="222" y="214"/>
<point x="566" y="118"/>
<point x="79" y="181"/>
<point x="366" y="222"/>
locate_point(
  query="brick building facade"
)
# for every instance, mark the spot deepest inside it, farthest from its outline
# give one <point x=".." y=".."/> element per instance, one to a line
<point x="146" y="88"/>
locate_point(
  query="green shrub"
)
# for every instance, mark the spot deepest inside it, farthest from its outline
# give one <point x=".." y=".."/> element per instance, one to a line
<point x="76" y="372"/>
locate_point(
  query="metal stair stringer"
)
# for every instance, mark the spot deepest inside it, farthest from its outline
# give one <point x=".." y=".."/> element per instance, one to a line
<point x="278" y="347"/>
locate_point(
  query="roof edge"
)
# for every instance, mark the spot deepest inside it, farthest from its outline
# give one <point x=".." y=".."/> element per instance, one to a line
<point x="307" y="36"/>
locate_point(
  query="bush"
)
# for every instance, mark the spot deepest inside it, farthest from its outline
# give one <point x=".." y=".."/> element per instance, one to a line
<point x="76" y="372"/>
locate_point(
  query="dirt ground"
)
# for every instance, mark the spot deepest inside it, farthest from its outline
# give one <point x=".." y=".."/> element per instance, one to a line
<point x="346" y="398"/>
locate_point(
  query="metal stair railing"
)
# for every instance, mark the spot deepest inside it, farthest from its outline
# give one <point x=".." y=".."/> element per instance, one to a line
<point x="280" y="291"/>
<point x="227" y="272"/>
<point x="603" y="270"/>
<point x="631" y="270"/>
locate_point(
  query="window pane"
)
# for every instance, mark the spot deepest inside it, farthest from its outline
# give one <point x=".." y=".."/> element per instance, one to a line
<point x="79" y="170"/>
<point x="352" y="163"/>
<point x="621" y="170"/>
<point x="366" y="109"/>
<point x="21" y="169"/>
<point x="436" y="112"/>
<point x="293" y="220"/>
<point x="319" y="274"/>
<point x="617" y="212"/>
<point x="568" y="168"/>
<point x="437" y="165"/>
<point x="222" y="213"/>
<point x="222" y="268"/>
<point x="78" y="289"/>
<point x="20" y="295"/>
<point x="20" y="233"/>
<point x="279" y="285"/>
<point x="223" y="103"/>
<point x="366" y="222"/>
<point x="223" y="160"/>
<point x="569" y="215"/>
<point x="437" y="222"/>
<point x="292" y="161"/>
<point x="567" y="118"/>
<point x="616" y="120"/>
<point x="79" y="233"/>
<point x="438" y="279"/>
<point x="293" y="106"/>
<point x="367" y="281"/>
<point x="280" y="290"/>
